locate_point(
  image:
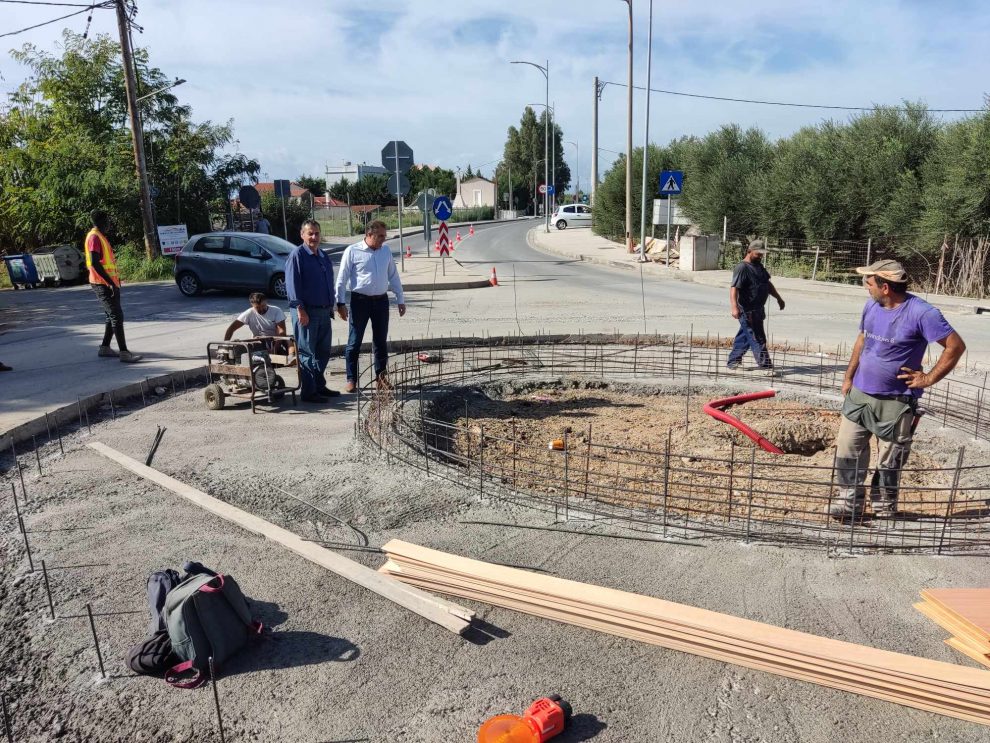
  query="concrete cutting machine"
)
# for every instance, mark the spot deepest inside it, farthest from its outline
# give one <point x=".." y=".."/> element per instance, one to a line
<point x="249" y="370"/>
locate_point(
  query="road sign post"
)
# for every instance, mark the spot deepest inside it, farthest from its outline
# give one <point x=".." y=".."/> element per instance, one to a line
<point x="397" y="157"/>
<point x="443" y="210"/>
<point x="671" y="184"/>
<point x="283" y="189"/>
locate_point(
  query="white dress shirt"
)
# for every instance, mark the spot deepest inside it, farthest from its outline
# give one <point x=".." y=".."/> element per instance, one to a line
<point x="367" y="271"/>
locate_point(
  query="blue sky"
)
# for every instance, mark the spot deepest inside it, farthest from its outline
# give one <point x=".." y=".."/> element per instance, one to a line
<point x="309" y="83"/>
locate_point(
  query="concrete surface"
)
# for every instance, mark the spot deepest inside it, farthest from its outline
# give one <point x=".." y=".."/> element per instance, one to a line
<point x="342" y="664"/>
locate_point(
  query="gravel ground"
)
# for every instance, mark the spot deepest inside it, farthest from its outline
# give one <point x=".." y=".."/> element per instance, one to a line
<point x="342" y="664"/>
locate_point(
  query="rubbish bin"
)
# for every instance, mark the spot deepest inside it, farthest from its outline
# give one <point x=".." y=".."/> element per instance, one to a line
<point x="21" y="270"/>
<point x="47" y="269"/>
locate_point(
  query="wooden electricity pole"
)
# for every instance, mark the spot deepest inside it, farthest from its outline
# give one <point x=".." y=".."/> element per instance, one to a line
<point x="130" y="85"/>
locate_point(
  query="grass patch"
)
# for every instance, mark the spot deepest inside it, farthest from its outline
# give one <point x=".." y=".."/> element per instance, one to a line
<point x="135" y="266"/>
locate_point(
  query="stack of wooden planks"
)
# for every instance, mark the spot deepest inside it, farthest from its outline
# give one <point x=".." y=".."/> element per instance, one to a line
<point x="965" y="613"/>
<point x="920" y="683"/>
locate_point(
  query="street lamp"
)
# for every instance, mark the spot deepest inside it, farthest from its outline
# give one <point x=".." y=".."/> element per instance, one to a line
<point x="629" y="141"/>
<point x="646" y="142"/>
<point x="171" y="85"/>
<point x="546" y="136"/>
<point x="577" y="168"/>
<point x="552" y="109"/>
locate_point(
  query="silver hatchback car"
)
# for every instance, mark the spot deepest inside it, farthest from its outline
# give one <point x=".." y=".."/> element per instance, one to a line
<point x="571" y="215"/>
<point x="233" y="260"/>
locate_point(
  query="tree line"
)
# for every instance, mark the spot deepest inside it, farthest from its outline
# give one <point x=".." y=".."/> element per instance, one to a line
<point x="891" y="172"/>
<point x="65" y="149"/>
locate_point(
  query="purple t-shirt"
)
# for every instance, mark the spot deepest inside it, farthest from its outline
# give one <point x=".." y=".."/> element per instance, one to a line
<point x="896" y="338"/>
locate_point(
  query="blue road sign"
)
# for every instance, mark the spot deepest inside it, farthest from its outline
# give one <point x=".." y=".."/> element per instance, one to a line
<point x="550" y="189"/>
<point x="671" y="182"/>
<point x="442" y="208"/>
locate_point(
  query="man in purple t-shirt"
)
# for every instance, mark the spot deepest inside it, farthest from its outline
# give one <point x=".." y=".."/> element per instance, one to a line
<point x="882" y="386"/>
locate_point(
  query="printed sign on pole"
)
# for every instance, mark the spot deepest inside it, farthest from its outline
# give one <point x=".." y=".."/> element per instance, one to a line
<point x="442" y="208"/>
<point x="172" y="237"/>
<point x="444" y="239"/>
<point x="671" y="182"/>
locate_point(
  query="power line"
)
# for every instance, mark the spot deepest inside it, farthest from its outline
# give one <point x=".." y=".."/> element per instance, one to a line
<point x="43" y="2"/>
<point x="85" y="9"/>
<point x="603" y="83"/>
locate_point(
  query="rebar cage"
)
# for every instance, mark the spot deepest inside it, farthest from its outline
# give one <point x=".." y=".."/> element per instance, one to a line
<point x="664" y="492"/>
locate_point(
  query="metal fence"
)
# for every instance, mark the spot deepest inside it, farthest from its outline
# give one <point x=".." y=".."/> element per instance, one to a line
<point x="957" y="267"/>
<point x="670" y="493"/>
<point x="343" y="221"/>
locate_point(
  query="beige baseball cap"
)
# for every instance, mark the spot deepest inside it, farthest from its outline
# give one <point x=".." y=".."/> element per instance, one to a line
<point x="888" y="270"/>
<point x="757" y="246"/>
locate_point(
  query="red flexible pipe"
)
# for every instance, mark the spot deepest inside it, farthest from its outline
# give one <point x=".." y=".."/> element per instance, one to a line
<point x="715" y="410"/>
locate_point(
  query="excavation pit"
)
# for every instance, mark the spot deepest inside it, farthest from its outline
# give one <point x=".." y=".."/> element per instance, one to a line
<point x="596" y="431"/>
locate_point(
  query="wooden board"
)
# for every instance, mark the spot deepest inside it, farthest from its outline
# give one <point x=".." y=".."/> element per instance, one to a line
<point x="969" y="606"/>
<point x="879" y="691"/>
<point x="953" y="627"/>
<point x="917" y="682"/>
<point x="967" y="650"/>
<point x="690" y="616"/>
<point x="446" y="614"/>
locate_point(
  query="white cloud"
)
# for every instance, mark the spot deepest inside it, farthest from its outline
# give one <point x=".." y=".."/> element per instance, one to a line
<point x="311" y="82"/>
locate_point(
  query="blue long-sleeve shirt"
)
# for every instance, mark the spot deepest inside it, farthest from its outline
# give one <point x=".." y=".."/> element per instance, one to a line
<point x="309" y="278"/>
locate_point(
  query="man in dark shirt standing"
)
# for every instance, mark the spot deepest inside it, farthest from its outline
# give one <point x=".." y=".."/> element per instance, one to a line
<point x="309" y="283"/>
<point x="747" y="296"/>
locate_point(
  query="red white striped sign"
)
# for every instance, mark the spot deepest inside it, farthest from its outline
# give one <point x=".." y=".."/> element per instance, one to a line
<point x="444" y="239"/>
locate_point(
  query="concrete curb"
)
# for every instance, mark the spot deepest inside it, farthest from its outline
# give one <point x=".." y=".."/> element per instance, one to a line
<point x="472" y="284"/>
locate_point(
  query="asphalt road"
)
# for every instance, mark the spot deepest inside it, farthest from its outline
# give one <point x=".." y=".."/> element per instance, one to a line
<point x="50" y="336"/>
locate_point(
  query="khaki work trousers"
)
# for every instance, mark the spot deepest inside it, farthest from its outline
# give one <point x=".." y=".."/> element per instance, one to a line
<point x="852" y="460"/>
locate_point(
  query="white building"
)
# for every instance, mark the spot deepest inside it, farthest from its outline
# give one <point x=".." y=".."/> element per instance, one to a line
<point x="353" y="172"/>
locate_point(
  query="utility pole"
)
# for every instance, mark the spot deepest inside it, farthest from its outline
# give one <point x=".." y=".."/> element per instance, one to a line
<point x="646" y="145"/>
<point x="130" y="85"/>
<point x="629" y="140"/>
<point x="594" y="145"/>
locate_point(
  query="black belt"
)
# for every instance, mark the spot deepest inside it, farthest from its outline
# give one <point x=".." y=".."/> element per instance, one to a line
<point x="371" y="296"/>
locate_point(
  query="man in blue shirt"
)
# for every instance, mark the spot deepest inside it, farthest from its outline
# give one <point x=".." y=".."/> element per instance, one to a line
<point x="367" y="272"/>
<point x="310" y="286"/>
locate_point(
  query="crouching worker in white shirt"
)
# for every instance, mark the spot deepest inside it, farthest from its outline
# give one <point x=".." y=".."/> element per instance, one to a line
<point x="264" y="321"/>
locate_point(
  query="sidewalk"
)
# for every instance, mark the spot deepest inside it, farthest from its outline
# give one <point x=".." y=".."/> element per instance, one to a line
<point x="584" y="245"/>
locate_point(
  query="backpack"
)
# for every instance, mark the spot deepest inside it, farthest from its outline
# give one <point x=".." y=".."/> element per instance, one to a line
<point x="153" y="655"/>
<point x="206" y="616"/>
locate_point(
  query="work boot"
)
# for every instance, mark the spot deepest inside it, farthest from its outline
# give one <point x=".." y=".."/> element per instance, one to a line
<point x="885" y="509"/>
<point x="130" y="358"/>
<point x="107" y="353"/>
<point x="845" y="508"/>
<point x="350" y="386"/>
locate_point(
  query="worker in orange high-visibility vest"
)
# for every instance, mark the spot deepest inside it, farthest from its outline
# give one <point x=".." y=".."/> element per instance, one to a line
<point x="105" y="281"/>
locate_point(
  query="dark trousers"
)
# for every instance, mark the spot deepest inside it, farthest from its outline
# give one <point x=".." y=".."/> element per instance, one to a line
<point x="313" y="348"/>
<point x="363" y="309"/>
<point x="751" y="336"/>
<point x="110" y="301"/>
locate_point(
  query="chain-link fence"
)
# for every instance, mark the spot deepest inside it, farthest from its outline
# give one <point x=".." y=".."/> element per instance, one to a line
<point x="959" y="267"/>
<point x="343" y="221"/>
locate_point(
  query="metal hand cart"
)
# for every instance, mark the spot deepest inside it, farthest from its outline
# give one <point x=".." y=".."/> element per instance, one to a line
<point x="247" y="370"/>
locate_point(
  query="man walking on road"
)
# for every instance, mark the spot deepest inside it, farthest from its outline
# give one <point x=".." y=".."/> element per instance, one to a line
<point x="367" y="272"/>
<point x="748" y="294"/>
<point x="105" y="281"/>
<point x="309" y="284"/>
<point x="882" y="386"/>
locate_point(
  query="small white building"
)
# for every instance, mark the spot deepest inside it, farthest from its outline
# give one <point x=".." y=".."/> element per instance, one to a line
<point x="352" y="172"/>
<point x="475" y="191"/>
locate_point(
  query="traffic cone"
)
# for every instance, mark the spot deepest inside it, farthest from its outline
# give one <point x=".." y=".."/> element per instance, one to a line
<point x="408" y="251"/>
<point x="437" y="245"/>
<point x="494" y="279"/>
<point x="471" y="231"/>
<point x="458" y="236"/>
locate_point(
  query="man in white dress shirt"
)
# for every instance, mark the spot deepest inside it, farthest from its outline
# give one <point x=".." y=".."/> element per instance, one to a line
<point x="367" y="271"/>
